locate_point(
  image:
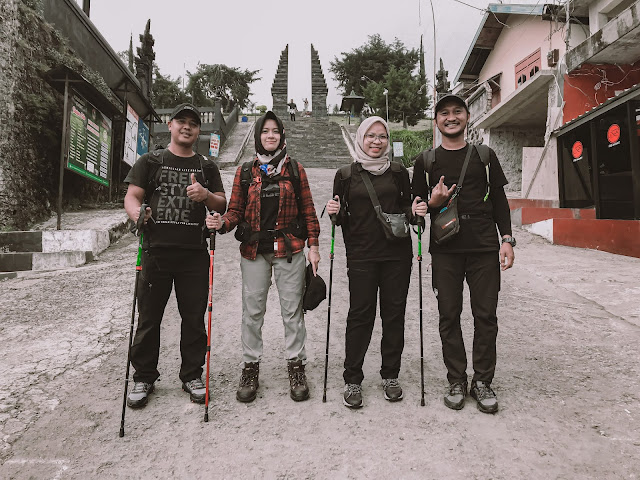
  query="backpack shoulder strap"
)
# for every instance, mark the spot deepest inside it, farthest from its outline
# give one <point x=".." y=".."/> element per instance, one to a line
<point x="485" y="155"/>
<point x="155" y="161"/>
<point x="428" y="159"/>
<point x="245" y="178"/>
<point x="294" y="173"/>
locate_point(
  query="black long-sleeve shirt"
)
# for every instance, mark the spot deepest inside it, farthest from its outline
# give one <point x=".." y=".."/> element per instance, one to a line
<point x="478" y="218"/>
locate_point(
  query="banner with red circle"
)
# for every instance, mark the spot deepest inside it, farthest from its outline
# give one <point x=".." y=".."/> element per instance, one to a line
<point x="613" y="134"/>
<point x="577" y="149"/>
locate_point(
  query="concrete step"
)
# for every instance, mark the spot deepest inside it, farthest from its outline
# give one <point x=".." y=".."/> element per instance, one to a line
<point x="49" y="241"/>
<point x="23" y="261"/>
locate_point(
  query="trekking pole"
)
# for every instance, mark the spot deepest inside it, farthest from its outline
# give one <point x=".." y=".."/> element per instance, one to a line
<point x="139" y="227"/>
<point x="212" y="247"/>
<point x="326" y="357"/>
<point x="421" y="225"/>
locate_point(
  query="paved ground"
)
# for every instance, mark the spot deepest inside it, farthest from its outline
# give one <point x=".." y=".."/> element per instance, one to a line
<point x="568" y="380"/>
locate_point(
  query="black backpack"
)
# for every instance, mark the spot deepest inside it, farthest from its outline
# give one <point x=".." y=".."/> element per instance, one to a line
<point x="294" y="178"/>
<point x="347" y="170"/>
<point x="429" y="157"/>
<point x="156" y="159"/>
<point x="298" y="228"/>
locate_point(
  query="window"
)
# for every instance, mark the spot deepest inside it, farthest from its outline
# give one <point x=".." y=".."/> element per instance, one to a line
<point x="527" y="67"/>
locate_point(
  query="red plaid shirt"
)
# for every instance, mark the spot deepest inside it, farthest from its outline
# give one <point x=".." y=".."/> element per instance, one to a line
<point x="239" y="210"/>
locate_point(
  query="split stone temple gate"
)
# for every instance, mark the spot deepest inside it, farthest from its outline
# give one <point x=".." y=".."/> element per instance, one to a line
<point x="279" y="89"/>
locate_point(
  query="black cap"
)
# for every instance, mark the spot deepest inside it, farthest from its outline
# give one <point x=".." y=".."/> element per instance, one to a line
<point x="450" y="97"/>
<point x="185" y="107"/>
<point x="316" y="290"/>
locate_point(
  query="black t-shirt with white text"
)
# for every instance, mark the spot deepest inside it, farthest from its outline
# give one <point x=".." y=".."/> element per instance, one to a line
<point x="178" y="221"/>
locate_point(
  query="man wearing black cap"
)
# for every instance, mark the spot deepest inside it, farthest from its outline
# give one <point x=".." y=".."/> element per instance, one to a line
<point x="471" y="253"/>
<point x="178" y="185"/>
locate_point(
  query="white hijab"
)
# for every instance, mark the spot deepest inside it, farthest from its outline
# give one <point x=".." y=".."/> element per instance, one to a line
<point x="373" y="165"/>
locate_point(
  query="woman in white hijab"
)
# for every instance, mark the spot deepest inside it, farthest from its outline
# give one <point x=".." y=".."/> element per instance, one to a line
<point x="374" y="263"/>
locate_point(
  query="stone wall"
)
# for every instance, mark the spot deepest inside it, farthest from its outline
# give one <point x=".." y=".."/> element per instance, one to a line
<point x="508" y="146"/>
<point x="9" y="65"/>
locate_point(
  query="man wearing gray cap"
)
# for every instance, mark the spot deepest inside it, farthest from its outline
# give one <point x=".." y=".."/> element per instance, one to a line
<point x="178" y="186"/>
<point x="474" y="253"/>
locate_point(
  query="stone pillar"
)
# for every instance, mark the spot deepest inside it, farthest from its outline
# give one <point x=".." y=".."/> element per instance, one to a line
<point x="144" y="61"/>
<point x="318" y="87"/>
<point x="279" y="88"/>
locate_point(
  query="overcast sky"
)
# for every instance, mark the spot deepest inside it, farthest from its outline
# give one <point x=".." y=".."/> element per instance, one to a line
<point x="250" y="34"/>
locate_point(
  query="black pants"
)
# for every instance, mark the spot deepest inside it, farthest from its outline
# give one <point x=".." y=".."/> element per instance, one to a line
<point x="482" y="271"/>
<point x="162" y="268"/>
<point x="365" y="278"/>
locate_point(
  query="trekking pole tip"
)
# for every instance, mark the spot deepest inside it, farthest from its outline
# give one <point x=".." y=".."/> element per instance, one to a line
<point x="121" y="432"/>
<point x="422" y="402"/>
<point x="206" y="417"/>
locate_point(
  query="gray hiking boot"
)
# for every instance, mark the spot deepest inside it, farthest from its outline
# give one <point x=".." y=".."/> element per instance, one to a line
<point x="248" y="388"/>
<point x="392" y="389"/>
<point x="196" y="389"/>
<point x="454" y="398"/>
<point x="139" y="394"/>
<point x="352" y="395"/>
<point x="486" y="398"/>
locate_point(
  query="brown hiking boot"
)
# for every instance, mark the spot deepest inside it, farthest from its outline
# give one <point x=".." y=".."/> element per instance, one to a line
<point x="298" y="381"/>
<point x="248" y="388"/>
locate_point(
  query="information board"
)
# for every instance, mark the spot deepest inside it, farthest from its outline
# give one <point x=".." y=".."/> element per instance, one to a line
<point x="89" y="141"/>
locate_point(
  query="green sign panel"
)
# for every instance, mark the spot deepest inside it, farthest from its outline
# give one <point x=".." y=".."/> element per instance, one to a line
<point x="89" y="141"/>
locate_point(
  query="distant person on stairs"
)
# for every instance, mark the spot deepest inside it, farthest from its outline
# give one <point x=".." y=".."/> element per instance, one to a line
<point x="272" y="208"/>
<point x="292" y="110"/>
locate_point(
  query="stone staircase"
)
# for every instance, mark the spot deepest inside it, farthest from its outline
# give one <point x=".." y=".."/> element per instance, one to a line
<point x="316" y="143"/>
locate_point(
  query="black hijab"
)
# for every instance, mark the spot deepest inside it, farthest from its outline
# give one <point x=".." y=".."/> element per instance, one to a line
<point x="258" y="130"/>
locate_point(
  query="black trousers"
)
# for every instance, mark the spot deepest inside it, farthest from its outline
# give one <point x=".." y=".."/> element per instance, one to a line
<point x="188" y="271"/>
<point x="365" y="278"/>
<point x="482" y="271"/>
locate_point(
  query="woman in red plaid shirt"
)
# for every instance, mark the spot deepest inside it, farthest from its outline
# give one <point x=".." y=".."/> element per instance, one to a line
<point x="272" y="226"/>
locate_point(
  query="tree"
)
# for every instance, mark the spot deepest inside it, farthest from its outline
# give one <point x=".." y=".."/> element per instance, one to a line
<point x="167" y="92"/>
<point x="230" y="84"/>
<point x="406" y="102"/>
<point x="377" y="65"/>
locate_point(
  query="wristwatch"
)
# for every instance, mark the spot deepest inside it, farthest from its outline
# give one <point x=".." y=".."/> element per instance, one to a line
<point x="509" y="240"/>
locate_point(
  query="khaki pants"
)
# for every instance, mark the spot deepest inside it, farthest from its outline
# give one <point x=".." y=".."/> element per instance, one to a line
<point x="256" y="280"/>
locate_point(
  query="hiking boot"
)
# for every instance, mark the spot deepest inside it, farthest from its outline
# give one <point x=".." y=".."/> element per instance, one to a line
<point x="299" y="390"/>
<point x="454" y="398"/>
<point x="196" y="389"/>
<point x="248" y="388"/>
<point x="352" y="395"/>
<point x="486" y="398"/>
<point x="392" y="389"/>
<point x="139" y="394"/>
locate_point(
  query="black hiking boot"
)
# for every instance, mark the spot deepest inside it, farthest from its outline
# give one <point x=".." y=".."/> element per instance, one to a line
<point x="248" y="388"/>
<point x="196" y="389"/>
<point x="392" y="389"/>
<point x="299" y="390"/>
<point x="139" y="394"/>
<point x="454" y="398"/>
<point x="486" y="398"/>
<point x="352" y="395"/>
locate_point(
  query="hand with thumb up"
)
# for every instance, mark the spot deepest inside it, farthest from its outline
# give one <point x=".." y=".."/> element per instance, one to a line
<point x="195" y="191"/>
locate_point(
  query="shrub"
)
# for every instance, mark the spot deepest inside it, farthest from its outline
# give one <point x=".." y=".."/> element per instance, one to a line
<point x="262" y="109"/>
<point x="413" y="143"/>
